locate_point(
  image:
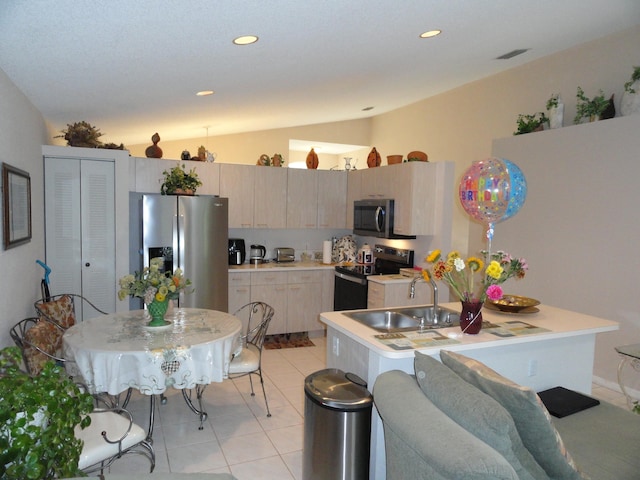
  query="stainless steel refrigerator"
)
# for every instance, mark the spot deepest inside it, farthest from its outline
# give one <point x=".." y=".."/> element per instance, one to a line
<point x="191" y="233"/>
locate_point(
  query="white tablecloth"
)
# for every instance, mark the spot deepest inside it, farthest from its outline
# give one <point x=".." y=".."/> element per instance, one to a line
<point x="117" y="351"/>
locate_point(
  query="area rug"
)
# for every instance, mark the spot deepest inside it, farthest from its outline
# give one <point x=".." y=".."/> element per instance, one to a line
<point x="288" y="340"/>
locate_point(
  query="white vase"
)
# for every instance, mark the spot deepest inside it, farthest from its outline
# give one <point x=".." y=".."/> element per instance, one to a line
<point x="556" y="116"/>
<point x="630" y="103"/>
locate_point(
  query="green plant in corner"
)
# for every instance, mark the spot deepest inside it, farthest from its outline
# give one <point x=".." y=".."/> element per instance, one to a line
<point x="589" y="108"/>
<point x="530" y="123"/>
<point x="177" y="181"/>
<point x="635" y="76"/>
<point x="38" y="415"/>
<point x="553" y="101"/>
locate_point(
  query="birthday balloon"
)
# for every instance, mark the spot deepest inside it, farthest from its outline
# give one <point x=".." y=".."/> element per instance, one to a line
<point x="492" y="190"/>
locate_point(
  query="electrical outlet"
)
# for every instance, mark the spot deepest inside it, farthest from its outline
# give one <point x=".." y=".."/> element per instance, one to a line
<point x="533" y="368"/>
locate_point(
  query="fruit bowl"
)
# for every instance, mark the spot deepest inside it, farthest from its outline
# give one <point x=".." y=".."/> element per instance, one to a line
<point x="512" y="303"/>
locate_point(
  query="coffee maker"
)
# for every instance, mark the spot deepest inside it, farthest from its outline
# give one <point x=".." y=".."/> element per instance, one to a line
<point x="237" y="251"/>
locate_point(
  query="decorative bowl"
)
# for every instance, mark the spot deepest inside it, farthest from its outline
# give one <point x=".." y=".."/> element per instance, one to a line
<point x="513" y="303"/>
<point x="393" y="159"/>
<point x="417" y="155"/>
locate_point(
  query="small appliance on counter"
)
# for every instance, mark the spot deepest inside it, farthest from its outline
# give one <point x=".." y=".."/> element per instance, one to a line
<point x="257" y="253"/>
<point x="237" y="251"/>
<point x="284" y="254"/>
<point x="365" y="255"/>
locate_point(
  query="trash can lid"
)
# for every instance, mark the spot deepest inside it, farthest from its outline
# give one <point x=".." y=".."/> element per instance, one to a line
<point x="336" y="389"/>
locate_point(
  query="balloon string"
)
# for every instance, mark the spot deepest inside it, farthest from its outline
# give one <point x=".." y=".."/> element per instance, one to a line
<point x="489" y="238"/>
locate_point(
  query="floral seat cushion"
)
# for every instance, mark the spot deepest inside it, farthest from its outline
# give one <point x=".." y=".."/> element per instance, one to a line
<point x="60" y="311"/>
<point x="46" y="337"/>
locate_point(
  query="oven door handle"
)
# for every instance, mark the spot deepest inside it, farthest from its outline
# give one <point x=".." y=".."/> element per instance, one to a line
<point x="361" y="281"/>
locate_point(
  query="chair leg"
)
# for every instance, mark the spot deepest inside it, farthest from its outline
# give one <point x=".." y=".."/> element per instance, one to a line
<point x="263" y="392"/>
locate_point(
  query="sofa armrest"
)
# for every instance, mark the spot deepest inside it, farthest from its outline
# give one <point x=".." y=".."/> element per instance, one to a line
<point x="421" y="442"/>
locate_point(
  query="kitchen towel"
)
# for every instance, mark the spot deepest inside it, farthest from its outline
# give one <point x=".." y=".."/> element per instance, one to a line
<point x="326" y="251"/>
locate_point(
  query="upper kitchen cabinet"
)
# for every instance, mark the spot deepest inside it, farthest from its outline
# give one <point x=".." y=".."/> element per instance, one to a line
<point x="354" y="192"/>
<point x="376" y="183"/>
<point x="237" y="183"/>
<point x="85" y="192"/>
<point x="149" y="176"/>
<point x="332" y="199"/>
<point x="302" y="198"/>
<point x="270" y="198"/>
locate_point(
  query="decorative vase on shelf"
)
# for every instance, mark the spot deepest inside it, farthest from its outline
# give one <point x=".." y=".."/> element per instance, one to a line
<point x="556" y="115"/>
<point x="157" y="310"/>
<point x="471" y="317"/>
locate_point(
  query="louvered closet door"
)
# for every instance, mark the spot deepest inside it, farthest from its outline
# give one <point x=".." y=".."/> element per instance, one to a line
<point x="80" y="229"/>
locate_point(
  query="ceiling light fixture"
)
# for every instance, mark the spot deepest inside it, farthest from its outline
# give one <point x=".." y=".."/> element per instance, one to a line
<point x="204" y="93"/>
<point x="245" y="40"/>
<point x="430" y="34"/>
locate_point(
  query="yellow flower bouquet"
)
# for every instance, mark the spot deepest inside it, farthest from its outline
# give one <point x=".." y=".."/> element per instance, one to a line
<point x="152" y="283"/>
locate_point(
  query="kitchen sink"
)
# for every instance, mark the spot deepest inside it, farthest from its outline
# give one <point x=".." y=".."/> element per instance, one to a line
<point x="406" y="318"/>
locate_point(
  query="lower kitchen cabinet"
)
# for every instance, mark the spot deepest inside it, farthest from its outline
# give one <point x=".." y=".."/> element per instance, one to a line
<point x="297" y="297"/>
<point x="396" y="294"/>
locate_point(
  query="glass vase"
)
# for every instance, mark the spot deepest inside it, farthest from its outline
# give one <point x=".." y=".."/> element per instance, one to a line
<point x="471" y="317"/>
<point x="157" y="310"/>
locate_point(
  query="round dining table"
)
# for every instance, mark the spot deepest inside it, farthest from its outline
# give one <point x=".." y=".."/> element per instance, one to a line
<point x="117" y="352"/>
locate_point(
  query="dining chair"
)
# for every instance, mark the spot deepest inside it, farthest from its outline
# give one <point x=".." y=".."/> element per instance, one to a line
<point x="249" y="360"/>
<point x="111" y="435"/>
<point x="39" y="341"/>
<point x="64" y="309"/>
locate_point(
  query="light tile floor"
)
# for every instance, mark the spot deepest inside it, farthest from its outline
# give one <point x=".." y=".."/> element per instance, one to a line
<point x="238" y="437"/>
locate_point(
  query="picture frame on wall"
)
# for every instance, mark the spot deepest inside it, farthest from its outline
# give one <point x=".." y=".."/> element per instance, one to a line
<point x="16" y="202"/>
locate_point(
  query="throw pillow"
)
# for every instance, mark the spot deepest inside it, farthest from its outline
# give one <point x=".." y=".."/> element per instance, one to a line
<point x="527" y="410"/>
<point x="60" y="311"/>
<point x="477" y="413"/>
<point x="46" y="337"/>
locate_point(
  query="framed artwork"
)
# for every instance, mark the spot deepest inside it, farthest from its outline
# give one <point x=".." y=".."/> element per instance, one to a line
<point x="16" y="200"/>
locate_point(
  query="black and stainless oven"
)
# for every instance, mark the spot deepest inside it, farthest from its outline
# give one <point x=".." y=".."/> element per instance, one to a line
<point x="351" y="284"/>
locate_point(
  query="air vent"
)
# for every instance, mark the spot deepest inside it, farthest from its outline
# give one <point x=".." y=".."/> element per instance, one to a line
<point x="513" y="53"/>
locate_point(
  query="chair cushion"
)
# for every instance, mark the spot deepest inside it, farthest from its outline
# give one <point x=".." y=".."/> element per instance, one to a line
<point x="247" y="361"/>
<point x="46" y="337"/>
<point x="477" y="413"/>
<point x="60" y="311"/>
<point x="527" y="410"/>
<point x="95" y="449"/>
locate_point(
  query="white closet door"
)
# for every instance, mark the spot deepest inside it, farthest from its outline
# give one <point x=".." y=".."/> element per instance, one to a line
<point x="80" y="229"/>
<point x="97" y="182"/>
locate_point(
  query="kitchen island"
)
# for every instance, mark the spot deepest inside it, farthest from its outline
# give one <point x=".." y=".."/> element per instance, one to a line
<point x="541" y="350"/>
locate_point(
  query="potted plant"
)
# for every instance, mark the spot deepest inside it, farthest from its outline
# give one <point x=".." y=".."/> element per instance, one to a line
<point x="555" y="109"/>
<point x="630" y="102"/>
<point x="83" y="134"/>
<point x="38" y="415"/>
<point x="530" y="123"/>
<point x="590" y="108"/>
<point x="177" y="181"/>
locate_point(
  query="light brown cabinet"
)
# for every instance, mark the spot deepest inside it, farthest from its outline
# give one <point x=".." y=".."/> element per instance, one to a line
<point x="270" y="198"/>
<point x="237" y="183"/>
<point x="302" y="199"/>
<point x="396" y="294"/>
<point x="332" y="199"/>
<point x="271" y="288"/>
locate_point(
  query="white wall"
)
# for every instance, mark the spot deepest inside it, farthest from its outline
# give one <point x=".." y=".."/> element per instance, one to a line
<point x="22" y="132"/>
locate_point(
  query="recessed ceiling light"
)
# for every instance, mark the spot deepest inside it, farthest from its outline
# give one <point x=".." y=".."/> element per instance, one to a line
<point x="245" y="40"/>
<point x="430" y="33"/>
<point x="204" y="93"/>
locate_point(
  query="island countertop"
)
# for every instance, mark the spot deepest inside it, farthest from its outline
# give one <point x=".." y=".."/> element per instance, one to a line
<point x="553" y="322"/>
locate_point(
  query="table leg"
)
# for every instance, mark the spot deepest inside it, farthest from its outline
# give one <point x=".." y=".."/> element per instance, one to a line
<point x="152" y="414"/>
<point x="635" y="363"/>
<point x="198" y="411"/>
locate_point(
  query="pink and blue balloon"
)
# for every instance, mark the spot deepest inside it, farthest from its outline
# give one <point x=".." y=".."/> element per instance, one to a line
<point x="492" y="190"/>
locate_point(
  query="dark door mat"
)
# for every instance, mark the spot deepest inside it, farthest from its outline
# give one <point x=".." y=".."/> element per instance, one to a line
<point x="287" y="340"/>
<point x="561" y="401"/>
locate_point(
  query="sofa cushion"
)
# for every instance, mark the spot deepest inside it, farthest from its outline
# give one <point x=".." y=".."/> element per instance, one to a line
<point x="527" y="410"/>
<point x="422" y="443"/>
<point x="477" y="413"/>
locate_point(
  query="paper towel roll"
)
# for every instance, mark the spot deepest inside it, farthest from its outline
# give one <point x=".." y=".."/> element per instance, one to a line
<point x="326" y="251"/>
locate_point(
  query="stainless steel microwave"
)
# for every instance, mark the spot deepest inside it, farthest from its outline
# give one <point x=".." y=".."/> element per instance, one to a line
<point x="374" y="218"/>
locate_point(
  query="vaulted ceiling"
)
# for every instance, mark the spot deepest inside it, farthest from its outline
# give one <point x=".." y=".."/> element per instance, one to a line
<point x="132" y="68"/>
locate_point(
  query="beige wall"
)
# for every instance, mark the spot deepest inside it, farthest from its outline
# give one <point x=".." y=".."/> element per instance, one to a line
<point x="22" y="132"/>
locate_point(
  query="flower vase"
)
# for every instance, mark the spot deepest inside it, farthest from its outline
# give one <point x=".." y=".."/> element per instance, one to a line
<point x="157" y="311"/>
<point x="471" y="317"/>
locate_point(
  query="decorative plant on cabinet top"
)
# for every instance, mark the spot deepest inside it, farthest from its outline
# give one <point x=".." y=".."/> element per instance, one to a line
<point x="177" y="181"/>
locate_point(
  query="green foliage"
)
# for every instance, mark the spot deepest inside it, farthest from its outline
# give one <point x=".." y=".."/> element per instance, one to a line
<point x="530" y="123"/>
<point x="38" y="415"/>
<point x="634" y="77"/>
<point x="553" y="101"/>
<point x="178" y="178"/>
<point x="83" y="134"/>
<point x="589" y="108"/>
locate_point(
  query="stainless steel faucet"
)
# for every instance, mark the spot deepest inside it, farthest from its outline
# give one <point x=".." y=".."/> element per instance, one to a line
<point x="412" y="290"/>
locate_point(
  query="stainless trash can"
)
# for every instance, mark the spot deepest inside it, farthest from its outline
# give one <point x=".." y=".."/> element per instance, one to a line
<point x="337" y="426"/>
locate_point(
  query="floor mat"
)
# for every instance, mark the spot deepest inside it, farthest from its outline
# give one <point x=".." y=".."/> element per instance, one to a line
<point x="288" y="340"/>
